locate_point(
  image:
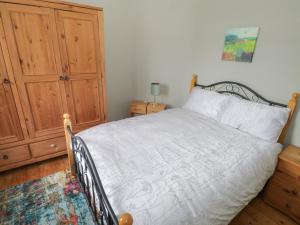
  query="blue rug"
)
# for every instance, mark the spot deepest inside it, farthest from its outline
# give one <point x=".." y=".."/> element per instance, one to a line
<point x="56" y="199"/>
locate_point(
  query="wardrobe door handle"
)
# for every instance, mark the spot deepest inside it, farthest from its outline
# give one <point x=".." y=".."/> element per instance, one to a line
<point x="64" y="77"/>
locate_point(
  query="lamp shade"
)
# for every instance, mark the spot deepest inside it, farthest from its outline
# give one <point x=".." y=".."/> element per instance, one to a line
<point x="155" y="89"/>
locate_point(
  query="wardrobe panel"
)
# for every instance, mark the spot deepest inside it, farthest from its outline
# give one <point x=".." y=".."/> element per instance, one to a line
<point x="45" y="104"/>
<point x="33" y="44"/>
<point x="81" y="57"/>
<point x="35" y="47"/>
<point x="85" y="94"/>
<point x="10" y="128"/>
<point x="81" y="45"/>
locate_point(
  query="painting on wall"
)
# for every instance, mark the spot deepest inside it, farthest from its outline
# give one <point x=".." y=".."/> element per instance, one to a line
<point x="240" y="44"/>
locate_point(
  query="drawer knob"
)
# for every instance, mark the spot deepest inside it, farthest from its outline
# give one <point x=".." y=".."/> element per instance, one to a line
<point x="5" y="157"/>
<point x="6" y="81"/>
<point x="52" y="145"/>
<point x="294" y="192"/>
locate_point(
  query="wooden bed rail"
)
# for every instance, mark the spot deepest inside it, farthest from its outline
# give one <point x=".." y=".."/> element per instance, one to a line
<point x="124" y="219"/>
<point x="67" y="123"/>
<point x="193" y="82"/>
<point x="292" y="105"/>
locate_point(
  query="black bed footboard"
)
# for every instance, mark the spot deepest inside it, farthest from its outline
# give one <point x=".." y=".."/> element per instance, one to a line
<point x="90" y="181"/>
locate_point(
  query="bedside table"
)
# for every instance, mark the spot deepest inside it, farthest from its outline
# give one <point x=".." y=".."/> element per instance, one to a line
<point x="142" y="108"/>
<point x="283" y="190"/>
<point x="158" y="107"/>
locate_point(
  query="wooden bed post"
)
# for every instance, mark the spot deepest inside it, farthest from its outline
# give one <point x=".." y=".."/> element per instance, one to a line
<point x="67" y="122"/>
<point x="126" y="219"/>
<point x="292" y="106"/>
<point x="193" y="82"/>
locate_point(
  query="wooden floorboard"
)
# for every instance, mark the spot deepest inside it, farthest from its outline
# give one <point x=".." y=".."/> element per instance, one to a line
<point x="35" y="171"/>
<point x="256" y="213"/>
<point x="260" y="213"/>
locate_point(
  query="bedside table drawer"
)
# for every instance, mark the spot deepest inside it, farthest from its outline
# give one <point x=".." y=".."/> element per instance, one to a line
<point x="289" y="162"/>
<point x="138" y="109"/>
<point x="290" y="169"/>
<point x="283" y="193"/>
<point x="155" y="108"/>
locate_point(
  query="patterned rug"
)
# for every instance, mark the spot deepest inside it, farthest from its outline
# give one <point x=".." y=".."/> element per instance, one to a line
<point x="56" y="199"/>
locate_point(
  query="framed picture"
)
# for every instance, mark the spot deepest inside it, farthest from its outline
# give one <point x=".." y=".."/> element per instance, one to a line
<point x="240" y="44"/>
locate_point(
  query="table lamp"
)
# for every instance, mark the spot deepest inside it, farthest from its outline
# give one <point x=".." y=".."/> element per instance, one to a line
<point x="155" y="91"/>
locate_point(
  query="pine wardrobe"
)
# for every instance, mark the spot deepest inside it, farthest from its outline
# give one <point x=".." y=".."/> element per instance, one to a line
<point x="51" y="62"/>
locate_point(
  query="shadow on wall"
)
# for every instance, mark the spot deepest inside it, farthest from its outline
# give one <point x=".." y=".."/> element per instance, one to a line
<point x="164" y="90"/>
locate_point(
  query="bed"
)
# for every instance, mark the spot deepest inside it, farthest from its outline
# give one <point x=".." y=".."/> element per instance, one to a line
<point x="173" y="167"/>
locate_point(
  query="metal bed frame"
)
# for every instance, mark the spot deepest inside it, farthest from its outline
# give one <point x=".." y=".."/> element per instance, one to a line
<point x="84" y="167"/>
<point x="239" y="90"/>
<point x="90" y="182"/>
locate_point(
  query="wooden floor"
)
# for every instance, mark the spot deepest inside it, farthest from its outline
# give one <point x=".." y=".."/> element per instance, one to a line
<point x="31" y="172"/>
<point x="256" y="213"/>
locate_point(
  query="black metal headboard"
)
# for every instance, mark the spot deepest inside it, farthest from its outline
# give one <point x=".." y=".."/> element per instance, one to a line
<point x="239" y="90"/>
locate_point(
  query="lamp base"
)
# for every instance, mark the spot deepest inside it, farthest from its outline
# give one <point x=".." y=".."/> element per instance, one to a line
<point x="154" y="102"/>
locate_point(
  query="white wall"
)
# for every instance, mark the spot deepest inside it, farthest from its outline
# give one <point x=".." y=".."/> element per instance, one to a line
<point x="167" y="40"/>
<point x="166" y="37"/>
<point x="119" y="64"/>
<point x="176" y="38"/>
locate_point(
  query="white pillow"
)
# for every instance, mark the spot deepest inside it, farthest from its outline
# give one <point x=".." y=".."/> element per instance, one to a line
<point x="207" y="103"/>
<point x="258" y="119"/>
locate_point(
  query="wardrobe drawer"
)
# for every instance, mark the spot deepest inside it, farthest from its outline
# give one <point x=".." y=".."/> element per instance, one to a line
<point x="13" y="155"/>
<point x="283" y="192"/>
<point x="48" y="147"/>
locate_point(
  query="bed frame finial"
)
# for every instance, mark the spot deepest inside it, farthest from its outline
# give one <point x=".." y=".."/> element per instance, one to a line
<point x="67" y="123"/>
<point x="296" y="95"/>
<point x="292" y="105"/>
<point x="193" y="82"/>
<point x="126" y="219"/>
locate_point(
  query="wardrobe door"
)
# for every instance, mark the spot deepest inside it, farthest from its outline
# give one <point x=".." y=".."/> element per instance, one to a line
<point x="32" y="41"/>
<point x="10" y="128"/>
<point x="82" y="66"/>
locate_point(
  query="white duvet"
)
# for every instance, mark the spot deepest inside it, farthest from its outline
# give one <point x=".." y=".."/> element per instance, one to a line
<point x="178" y="167"/>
